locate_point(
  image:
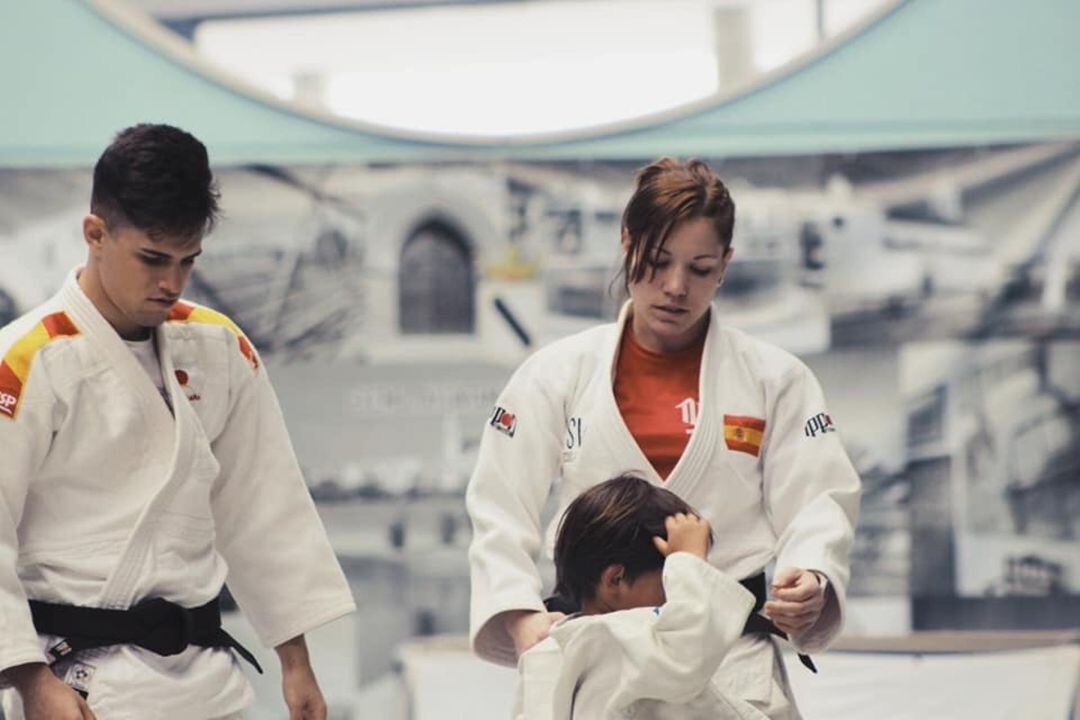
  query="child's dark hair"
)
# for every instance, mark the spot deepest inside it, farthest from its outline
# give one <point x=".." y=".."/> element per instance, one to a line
<point x="612" y="523"/>
<point x="156" y="178"/>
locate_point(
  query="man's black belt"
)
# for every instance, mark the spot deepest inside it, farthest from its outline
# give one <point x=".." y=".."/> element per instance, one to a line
<point x="755" y="624"/>
<point x="157" y="625"/>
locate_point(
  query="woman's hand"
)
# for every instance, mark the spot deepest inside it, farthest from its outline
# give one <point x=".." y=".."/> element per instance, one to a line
<point x="528" y="627"/>
<point x="798" y="599"/>
<point x="685" y="533"/>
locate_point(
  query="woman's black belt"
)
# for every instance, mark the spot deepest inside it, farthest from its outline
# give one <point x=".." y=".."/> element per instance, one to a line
<point x="758" y="623"/>
<point x="755" y="624"/>
<point x="157" y="625"/>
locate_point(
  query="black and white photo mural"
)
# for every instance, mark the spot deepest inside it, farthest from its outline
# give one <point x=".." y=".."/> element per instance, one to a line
<point x="935" y="294"/>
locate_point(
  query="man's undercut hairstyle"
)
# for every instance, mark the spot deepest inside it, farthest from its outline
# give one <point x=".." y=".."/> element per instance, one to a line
<point x="612" y="523"/>
<point x="669" y="193"/>
<point x="156" y="178"/>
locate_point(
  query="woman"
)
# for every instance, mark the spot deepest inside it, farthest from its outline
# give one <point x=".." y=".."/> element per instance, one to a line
<point x="734" y="426"/>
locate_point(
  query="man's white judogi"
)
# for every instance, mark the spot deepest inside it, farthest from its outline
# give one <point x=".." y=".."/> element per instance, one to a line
<point x="647" y="663"/>
<point x="108" y="498"/>
<point x="764" y="465"/>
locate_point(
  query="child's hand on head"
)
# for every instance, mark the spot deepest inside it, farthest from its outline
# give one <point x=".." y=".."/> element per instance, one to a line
<point x="685" y="533"/>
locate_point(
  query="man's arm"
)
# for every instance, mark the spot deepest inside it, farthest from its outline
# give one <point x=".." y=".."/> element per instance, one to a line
<point x="44" y="696"/>
<point x="282" y="569"/>
<point x="26" y="431"/>
<point x="301" y="690"/>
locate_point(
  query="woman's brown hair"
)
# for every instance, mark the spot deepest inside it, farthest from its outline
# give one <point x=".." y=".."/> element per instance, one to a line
<point x="668" y="193"/>
<point x="612" y="523"/>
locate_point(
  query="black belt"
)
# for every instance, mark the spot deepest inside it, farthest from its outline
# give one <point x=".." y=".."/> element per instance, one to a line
<point x="755" y="624"/>
<point x="157" y="625"/>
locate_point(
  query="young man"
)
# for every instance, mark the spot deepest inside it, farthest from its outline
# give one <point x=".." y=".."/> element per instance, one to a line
<point x="144" y="459"/>
<point x="656" y="619"/>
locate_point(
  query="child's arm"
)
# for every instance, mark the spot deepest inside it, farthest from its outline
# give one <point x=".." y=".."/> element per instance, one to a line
<point x="671" y="653"/>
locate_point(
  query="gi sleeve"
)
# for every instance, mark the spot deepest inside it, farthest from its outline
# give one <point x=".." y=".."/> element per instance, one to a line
<point x="25" y="438"/>
<point x="811" y="495"/>
<point x="669" y="654"/>
<point x="518" y="461"/>
<point x="282" y="569"/>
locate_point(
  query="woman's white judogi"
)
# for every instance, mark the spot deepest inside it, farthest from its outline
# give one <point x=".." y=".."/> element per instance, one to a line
<point x="108" y="498"/>
<point x="647" y="663"/>
<point x="764" y="466"/>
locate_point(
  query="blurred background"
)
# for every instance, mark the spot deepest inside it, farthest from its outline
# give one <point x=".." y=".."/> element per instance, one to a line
<point x="418" y="194"/>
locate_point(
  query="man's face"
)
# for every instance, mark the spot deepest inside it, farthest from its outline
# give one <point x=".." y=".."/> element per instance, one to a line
<point x="141" y="278"/>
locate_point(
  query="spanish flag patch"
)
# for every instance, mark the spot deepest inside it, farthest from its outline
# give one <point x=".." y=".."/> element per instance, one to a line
<point x="15" y="367"/>
<point x="184" y="312"/>
<point x="743" y="433"/>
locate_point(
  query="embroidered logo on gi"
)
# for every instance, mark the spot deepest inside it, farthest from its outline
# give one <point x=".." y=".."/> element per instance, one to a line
<point x="743" y="433"/>
<point x="819" y="425"/>
<point x="573" y="433"/>
<point x="183" y="378"/>
<point x="503" y="421"/>
<point x="79" y="676"/>
<point x="689" y="410"/>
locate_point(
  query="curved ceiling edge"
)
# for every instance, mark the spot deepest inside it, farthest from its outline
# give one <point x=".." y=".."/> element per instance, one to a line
<point x="146" y="30"/>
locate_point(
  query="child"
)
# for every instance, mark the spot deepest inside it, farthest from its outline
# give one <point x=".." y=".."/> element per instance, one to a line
<point x="656" y="619"/>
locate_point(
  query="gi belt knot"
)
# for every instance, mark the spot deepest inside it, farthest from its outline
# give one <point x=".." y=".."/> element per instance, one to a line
<point x="168" y="629"/>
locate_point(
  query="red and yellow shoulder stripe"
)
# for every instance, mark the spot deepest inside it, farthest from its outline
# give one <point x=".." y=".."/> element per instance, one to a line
<point x="743" y="433"/>
<point x="15" y="367"/>
<point x="185" y="312"/>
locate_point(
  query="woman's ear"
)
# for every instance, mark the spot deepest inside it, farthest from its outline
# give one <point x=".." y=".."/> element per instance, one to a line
<point x="625" y="240"/>
<point x="724" y="262"/>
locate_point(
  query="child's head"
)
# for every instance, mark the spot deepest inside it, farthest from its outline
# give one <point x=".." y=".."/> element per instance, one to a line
<point x="605" y="558"/>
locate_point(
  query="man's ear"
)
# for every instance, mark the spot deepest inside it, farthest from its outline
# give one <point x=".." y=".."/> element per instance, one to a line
<point x="94" y="231"/>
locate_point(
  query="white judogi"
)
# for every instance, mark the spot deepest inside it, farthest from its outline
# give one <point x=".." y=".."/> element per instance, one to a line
<point x="645" y="663"/>
<point x="557" y="419"/>
<point x="107" y="498"/>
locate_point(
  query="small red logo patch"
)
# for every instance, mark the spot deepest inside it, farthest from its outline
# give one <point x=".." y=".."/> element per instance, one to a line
<point x="503" y="421"/>
<point x="181" y="377"/>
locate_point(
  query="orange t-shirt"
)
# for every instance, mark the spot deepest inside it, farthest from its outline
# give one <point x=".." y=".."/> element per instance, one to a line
<point x="657" y="394"/>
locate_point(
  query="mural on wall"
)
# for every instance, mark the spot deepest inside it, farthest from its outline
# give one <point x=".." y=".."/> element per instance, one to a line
<point x="936" y="295"/>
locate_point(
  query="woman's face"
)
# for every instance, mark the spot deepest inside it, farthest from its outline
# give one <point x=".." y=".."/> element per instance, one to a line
<point x="670" y="304"/>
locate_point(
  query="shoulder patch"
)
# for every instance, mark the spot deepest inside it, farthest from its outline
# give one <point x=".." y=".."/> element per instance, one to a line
<point x="185" y="312"/>
<point x="504" y="421"/>
<point x="15" y="367"/>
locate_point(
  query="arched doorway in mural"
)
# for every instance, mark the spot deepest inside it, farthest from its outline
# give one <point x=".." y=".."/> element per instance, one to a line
<point x="436" y="284"/>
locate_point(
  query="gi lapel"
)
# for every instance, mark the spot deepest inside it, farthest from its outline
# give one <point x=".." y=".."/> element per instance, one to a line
<point x="172" y="442"/>
<point x="624" y="449"/>
<point x="699" y="450"/>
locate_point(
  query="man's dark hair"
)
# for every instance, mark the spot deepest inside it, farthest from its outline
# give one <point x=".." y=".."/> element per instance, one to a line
<point x="612" y="523"/>
<point x="156" y="178"/>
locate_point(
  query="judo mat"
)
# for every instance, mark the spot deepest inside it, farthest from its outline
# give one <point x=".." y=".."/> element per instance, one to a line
<point x="925" y="676"/>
